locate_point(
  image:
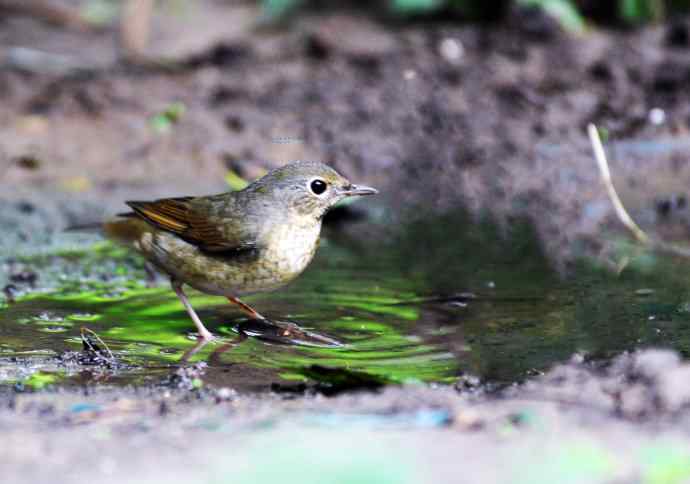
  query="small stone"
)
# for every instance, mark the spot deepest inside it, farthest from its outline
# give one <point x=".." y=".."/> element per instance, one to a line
<point x="635" y="401"/>
<point x="451" y="50"/>
<point x="467" y="383"/>
<point x="577" y="359"/>
<point x="226" y="393"/>
<point x="673" y="388"/>
<point x="657" y="116"/>
<point x="652" y="364"/>
<point x="468" y="419"/>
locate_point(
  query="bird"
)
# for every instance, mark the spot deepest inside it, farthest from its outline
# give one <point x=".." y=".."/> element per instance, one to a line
<point x="239" y="242"/>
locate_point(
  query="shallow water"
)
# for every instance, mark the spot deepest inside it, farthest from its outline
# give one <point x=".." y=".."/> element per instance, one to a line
<point x="395" y="305"/>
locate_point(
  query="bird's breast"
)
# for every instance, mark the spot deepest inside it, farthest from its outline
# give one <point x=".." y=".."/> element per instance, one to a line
<point x="285" y="252"/>
<point x="290" y="248"/>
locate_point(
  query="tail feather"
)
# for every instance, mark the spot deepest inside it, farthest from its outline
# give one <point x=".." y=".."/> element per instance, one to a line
<point x="126" y="230"/>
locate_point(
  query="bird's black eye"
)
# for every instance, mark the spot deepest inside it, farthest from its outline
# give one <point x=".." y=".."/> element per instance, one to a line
<point x="318" y="186"/>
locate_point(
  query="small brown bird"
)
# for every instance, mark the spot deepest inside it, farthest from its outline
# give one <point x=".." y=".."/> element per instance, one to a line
<point x="253" y="240"/>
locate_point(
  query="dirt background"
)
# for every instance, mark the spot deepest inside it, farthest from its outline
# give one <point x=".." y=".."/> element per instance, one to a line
<point x="489" y="116"/>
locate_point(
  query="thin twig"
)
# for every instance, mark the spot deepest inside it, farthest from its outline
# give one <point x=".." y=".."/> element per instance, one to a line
<point x="135" y="28"/>
<point x="86" y="331"/>
<point x="621" y="212"/>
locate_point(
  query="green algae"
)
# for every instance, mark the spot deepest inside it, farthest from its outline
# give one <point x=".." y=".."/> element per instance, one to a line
<point x="40" y="380"/>
<point x="149" y="328"/>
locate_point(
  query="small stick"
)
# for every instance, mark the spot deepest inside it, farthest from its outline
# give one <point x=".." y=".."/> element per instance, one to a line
<point x="622" y="213"/>
<point x="86" y="331"/>
<point x="135" y="28"/>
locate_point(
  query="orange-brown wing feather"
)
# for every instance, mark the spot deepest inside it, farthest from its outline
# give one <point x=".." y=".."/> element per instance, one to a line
<point x="168" y="213"/>
<point x="179" y="216"/>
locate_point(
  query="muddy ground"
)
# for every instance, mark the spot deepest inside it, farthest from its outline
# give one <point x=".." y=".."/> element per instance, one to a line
<point x="625" y="423"/>
<point x="490" y="118"/>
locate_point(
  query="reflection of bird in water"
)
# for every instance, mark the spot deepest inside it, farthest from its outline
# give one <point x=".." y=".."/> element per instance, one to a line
<point x="279" y="332"/>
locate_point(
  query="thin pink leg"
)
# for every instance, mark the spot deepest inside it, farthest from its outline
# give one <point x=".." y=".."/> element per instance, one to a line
<point x="204" y="333"/>
<point x="245" y="308"/>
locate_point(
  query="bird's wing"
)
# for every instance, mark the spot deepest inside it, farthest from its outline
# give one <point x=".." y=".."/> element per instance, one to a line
<point x="193" y="220"/>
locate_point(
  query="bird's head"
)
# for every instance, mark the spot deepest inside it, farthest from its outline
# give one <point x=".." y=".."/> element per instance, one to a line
<point x="306" y="188"/>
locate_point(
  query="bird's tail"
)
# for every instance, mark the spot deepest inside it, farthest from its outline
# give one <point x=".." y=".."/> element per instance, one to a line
<point x="125" y="229"/>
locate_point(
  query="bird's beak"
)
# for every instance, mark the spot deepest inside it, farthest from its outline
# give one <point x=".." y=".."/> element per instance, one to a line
<point x="358" y="190"/>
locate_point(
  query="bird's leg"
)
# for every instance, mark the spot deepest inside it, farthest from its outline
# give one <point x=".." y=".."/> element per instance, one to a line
<point x="203" y="332"/>
<point x="245" y="308"/>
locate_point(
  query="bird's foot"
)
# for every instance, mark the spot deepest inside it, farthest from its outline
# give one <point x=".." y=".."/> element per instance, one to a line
<point x="285" y="332"/>
<point x="201" y="336"/>
<point x="205" y="335"/>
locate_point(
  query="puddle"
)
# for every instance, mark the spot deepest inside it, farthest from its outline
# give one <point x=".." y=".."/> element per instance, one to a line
<point x="395" y="311"/>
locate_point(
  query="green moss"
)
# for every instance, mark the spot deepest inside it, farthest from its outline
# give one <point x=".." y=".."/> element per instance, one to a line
<point x="41" y="380"/>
